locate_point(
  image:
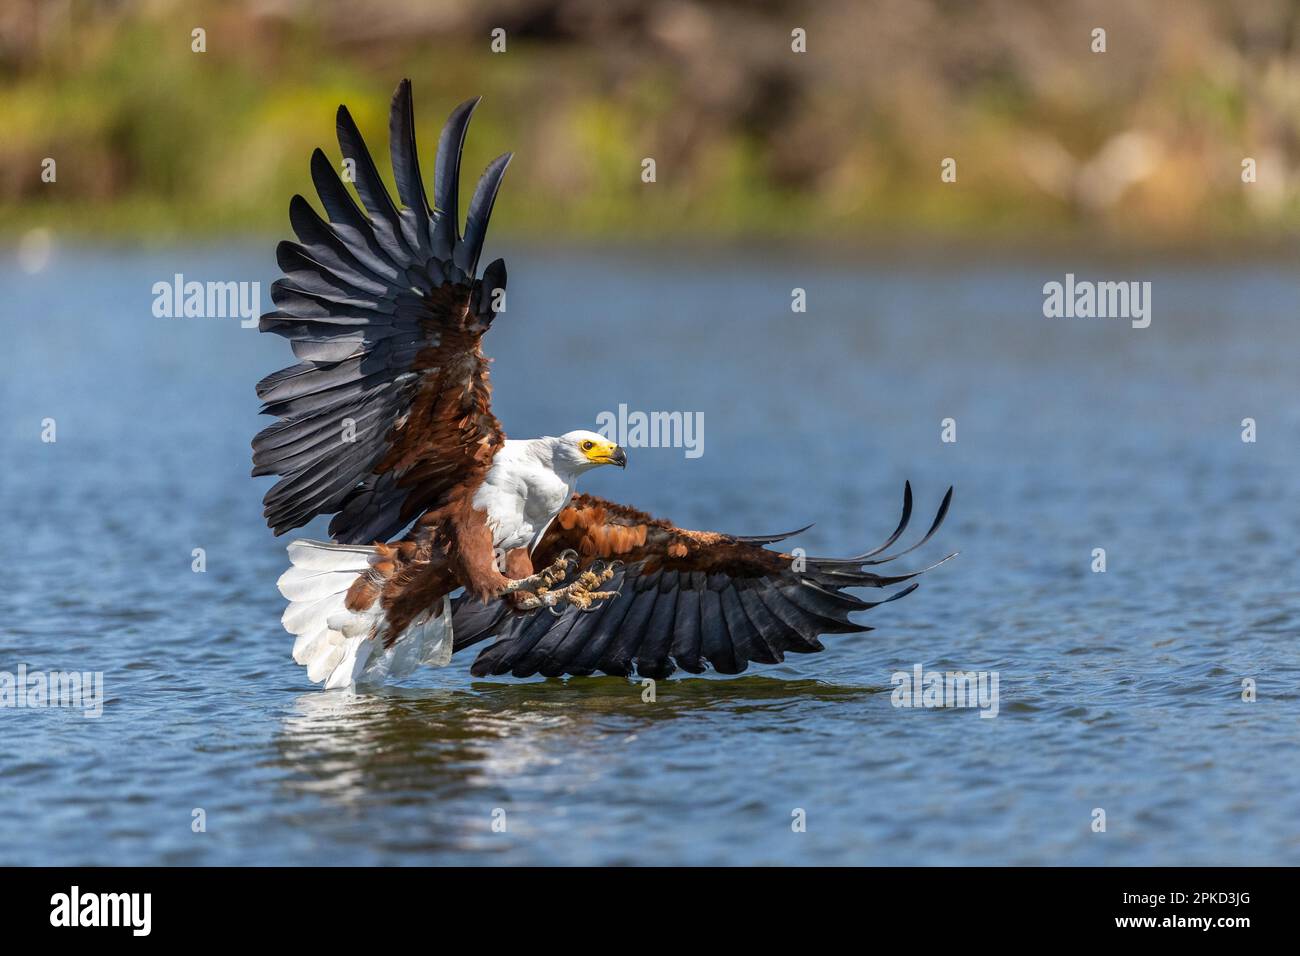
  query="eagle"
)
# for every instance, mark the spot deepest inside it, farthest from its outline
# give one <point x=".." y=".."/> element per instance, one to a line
<point x="444" y="532"/>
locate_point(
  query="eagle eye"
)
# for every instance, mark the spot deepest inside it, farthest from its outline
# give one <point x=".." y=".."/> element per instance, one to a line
<point x="586" y="446"/>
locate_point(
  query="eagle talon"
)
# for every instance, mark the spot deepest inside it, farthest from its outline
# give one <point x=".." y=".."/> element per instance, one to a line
<point x="545" y="579"/>
<point x="582" y="593"/>
<point x="603" y="596"/>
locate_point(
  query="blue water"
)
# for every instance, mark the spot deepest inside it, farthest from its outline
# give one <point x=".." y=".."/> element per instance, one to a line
<point x="1119" y="690"/>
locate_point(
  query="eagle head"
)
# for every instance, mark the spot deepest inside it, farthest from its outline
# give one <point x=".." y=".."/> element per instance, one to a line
<point x="583" y="450"/>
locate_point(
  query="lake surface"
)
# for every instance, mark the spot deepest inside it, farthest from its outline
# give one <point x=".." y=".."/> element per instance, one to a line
<point x="1119" y="690"/>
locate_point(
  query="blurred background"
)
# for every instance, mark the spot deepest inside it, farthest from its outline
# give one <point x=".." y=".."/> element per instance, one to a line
<point x="1141" y="144"/>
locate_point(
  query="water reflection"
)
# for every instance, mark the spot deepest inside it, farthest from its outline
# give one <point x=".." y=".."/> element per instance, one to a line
<point x="439" y="743"/>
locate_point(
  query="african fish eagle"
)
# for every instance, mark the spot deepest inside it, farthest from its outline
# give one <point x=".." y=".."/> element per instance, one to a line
<point x="385" y="423"/>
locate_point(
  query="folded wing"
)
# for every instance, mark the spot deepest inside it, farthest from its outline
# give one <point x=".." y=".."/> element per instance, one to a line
<point x="389" y="407"/>
<point x="688" y="598"/>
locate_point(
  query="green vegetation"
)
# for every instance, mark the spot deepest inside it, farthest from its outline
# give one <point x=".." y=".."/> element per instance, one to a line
<point x="1141" y="143"/>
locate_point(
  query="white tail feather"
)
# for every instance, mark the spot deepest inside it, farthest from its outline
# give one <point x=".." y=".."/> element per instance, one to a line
<point x="341" y="646"/>
<point x="426" y="640"/>
<point x="325" y="556"/>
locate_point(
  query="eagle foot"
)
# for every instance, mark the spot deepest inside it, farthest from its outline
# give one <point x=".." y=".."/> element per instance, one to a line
<point x="543" y="580"/>
<point x="582" y="593"/>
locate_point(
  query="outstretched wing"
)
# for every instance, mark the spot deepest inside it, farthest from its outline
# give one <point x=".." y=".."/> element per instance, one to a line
<point x="389" y="408"/>
<point x="687" y="598"/>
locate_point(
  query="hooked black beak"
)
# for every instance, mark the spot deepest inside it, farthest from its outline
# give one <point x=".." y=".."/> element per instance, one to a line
<point x="619" y="457"/>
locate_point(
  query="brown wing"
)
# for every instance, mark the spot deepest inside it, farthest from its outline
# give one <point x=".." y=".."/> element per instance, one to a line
<point x="389" y="409"/>
<point x="687" y="598"/>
